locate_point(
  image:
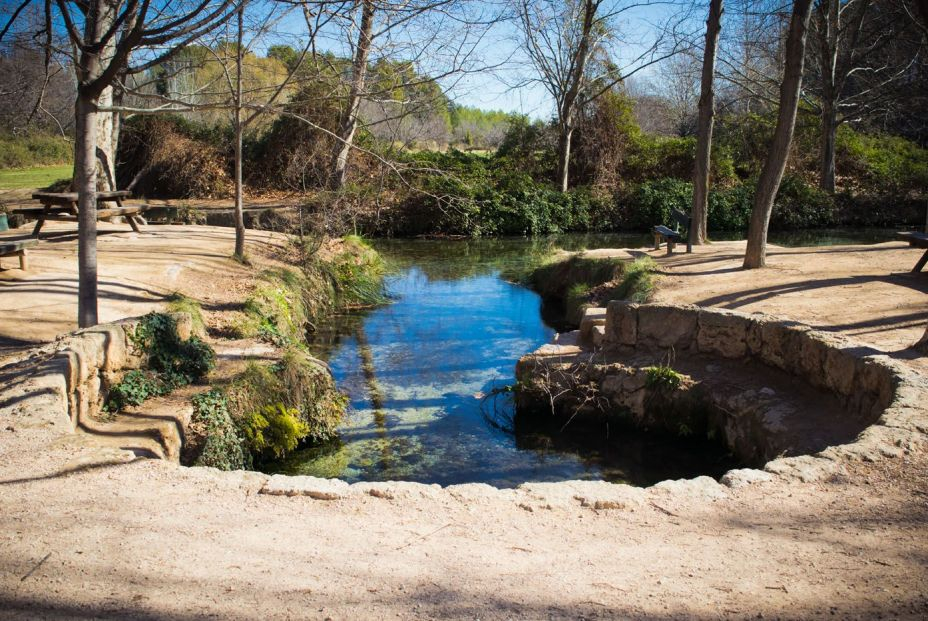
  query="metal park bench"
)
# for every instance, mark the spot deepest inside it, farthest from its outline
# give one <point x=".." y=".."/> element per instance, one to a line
<point x="672" y="236"/>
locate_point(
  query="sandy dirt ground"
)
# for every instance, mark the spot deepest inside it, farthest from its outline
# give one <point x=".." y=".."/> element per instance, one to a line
<point x="866" y="292"/>
<point x="88" y="533"/>
<point x="137" y="272"/>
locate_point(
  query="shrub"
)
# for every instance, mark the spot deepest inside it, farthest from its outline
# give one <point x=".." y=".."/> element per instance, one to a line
<point x="135" y="388"/>
<point x="730" y="208"/>
<point x="176" y="158"/>
<point x="274" y="430"/>
<point x="171" y="362"/>
<point x="881" y="164"/>
<point x="663" y="378"/>
<point x="34" y="150"/>
<point x="651" y="202"/>
<point x="669" y="156"/>
<point x="215" y="440"/>
<point x="800" y="205"/>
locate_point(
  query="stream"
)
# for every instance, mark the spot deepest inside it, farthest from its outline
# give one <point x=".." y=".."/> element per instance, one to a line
<point x="421" y="372"/>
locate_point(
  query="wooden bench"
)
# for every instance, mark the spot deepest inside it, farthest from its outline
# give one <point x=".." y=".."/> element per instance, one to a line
<point x="672" y="236"/>
<point x="916" y="240"/>
<point x="62" y="207"/>
<point x="17" y="248"/>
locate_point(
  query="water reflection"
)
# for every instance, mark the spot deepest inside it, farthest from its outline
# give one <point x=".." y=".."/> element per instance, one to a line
<point x="416" y="371"/>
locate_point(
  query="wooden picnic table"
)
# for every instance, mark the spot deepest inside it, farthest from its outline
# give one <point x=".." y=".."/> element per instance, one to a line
<point x="62" y="206"/>
<point x="916" y="240"/>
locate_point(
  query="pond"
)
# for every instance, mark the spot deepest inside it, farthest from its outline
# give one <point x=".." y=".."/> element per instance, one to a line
<point x="419" y="373"/>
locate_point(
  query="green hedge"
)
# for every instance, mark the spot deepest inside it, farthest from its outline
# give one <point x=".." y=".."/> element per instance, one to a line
<point x="34" y="150"/>
<point x="798" y="205"/>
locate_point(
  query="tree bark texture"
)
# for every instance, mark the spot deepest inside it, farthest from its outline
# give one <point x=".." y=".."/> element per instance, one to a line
<point x="567" y="108"/>
<point x="348" y="125"/>
<point x="772" y="172"/>
<point x="829" y="27"/>
<point x="700" y="213"/>
<point x="85" y="182"/>
<point x="237" y="126"/>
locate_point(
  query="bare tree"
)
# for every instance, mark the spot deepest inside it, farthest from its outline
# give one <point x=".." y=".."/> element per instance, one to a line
<point x="772" y="172"/>
<point x="699" y="216"/>
<point x="102" y="35"/>
<point x="854" y="70"/>
<point x="348" y="124"/>
<point x="561" y="40"/>
<point x="438" y="37"/>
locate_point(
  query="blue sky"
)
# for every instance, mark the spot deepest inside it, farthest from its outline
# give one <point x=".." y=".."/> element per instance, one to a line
<point x="508" y="87"/>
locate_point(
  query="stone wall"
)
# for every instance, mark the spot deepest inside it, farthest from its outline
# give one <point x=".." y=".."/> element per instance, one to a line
<point x="864" y="379"/>
<point x="67" y="381"/>
<point x="829" y="389"/>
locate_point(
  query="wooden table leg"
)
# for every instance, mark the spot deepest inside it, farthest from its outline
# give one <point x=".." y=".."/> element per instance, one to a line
<point x="23" y="263"/>
<point x="921" y="262"/>
<point x="39" y="223"/>
<point x="133" y="224"/>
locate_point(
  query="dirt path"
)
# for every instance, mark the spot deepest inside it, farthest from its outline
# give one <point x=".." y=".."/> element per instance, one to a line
<point x="95" y="534"/>
<point x="137" y="272"/>
<point x="867" y="292"/>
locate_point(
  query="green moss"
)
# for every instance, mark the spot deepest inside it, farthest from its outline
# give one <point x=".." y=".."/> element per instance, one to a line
<point x="298" y="382"/>
<point x="288" y="301"/>
<point x="273" y="430"/>
<point x="180" y="303"/>
<point x="663" y="378"/>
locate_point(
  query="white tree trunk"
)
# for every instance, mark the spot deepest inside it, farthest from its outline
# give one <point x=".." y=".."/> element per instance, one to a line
<point x="349" y="122"/>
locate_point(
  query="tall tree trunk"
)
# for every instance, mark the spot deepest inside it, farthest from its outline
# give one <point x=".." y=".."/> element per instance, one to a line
<point x="829" y="29"/>
<point x="237" y="126"/>
<point x="349" y="121"/>
<point x="700" y="213"/>
<point x="85" y="183"/>
<point x="772" y="173"/>
<point x="563" y="156"/>
<point x="829" y="131"/>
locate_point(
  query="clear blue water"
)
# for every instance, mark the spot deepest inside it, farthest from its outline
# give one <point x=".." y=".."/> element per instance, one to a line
<point x="417" y="371"/>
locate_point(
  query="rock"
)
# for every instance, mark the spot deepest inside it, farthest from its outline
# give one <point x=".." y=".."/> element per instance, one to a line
<point x="722" y="332"/>
<point x="621" y="323"/>
<point x="592" y="317"/>
<point x="743" y="477"/>
<point x="805" y="468"/>
<point x="666" y="326"/>
<point x="314" y="487"/>
<point x="184" y="325"/>
<point x="700" y="487"/>
<point x="599" y="336"/>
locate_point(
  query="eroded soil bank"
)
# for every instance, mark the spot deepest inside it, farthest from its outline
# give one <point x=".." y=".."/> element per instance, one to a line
<point x="91" y="533"/>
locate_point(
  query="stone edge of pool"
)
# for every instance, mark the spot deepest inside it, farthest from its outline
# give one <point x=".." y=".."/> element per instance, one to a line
<point x="61" y="382"/>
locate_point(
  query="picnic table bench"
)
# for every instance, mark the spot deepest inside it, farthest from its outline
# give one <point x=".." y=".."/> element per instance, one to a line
<point x="672" y="236"/>
<point x="17" y="248"/>
<point x="916" y="240"/>
<point x="62" y="206"/>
